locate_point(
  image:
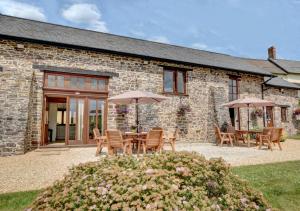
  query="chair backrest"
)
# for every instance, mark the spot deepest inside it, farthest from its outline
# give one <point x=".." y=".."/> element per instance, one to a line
<point x="97" y="134"/>
<point x="218" y="133"/>
<point x="114" y="138"/>
<point x="157" y="128"/>
<point x="276" y="134"/>
<point x="267" y="131"/>
<point x="154" y="138"/>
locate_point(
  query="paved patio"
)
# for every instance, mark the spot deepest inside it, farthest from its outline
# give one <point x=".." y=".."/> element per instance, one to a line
<point x="40" y="168"/>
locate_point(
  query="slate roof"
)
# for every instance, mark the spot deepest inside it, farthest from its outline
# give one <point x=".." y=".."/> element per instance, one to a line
<point x="273" y="68"/>
<point x="279" y="82"/>
<point x="290" y="66"/>
<point x="20" y="28"/>
<point x="268" y="66"/>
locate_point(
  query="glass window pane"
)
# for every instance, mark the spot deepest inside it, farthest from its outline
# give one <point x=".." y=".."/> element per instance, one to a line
<point x="80" y="119"/>
<point x="60" y="81"/>
<point x="100" y="107"/>
<point x="180" y="82"/>
<point x="59" y="117"/>
<point x="101" y="85"/>
<point x="233" y="82"/>
<point x="81" y="83"/>
<point x="51" y="80"/>
<point x="93" y="83"/>
<point x="72" y="119"/>
<point x="168" y="81"/>
<point x="230" y="82"/>
<point x="73" y="82"/>
<point x="92" y="117"/>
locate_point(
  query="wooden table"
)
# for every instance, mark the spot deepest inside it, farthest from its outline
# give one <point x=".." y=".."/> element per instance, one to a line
<point x="136" y="138"/>
<point x="248" y="133"/>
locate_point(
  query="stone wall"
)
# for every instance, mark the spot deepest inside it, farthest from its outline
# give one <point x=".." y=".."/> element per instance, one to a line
<point x="284" y="97"/>
<point x="21" y="94"/>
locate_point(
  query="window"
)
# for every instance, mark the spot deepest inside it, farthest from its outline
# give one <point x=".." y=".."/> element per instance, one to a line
<point x="74" y="82"/>
<point x="56" y="81"/>
<point x="233" y="89"/>
<point x="174" y="81"/>
<point x="61" y="117"/>
<point x="283" y="114"/>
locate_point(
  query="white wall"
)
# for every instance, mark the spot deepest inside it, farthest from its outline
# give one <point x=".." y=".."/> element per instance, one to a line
<point x="53" y="119"/>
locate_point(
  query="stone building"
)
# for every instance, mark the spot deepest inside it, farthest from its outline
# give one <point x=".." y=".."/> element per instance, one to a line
<point x="55" y="81"/>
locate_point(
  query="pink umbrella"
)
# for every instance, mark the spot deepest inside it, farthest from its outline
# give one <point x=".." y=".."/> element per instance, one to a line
<point x="249" y="102"/>
<point x="137" y="97"/>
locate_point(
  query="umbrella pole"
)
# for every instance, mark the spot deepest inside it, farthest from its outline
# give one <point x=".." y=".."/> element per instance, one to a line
<point x="137" y="115"/>
<point x="248" y="118"/>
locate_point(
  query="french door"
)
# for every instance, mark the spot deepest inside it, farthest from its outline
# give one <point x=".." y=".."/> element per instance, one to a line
<point x="83" y="115"/>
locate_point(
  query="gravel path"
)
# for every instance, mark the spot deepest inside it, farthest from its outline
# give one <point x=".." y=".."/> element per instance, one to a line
<point x="40" y="168"/>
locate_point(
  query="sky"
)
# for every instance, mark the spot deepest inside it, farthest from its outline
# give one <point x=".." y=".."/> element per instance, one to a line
<point x="243" y="28"/>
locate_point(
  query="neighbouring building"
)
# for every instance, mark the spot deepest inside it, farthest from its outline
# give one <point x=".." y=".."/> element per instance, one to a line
<point x="55" y="81"/>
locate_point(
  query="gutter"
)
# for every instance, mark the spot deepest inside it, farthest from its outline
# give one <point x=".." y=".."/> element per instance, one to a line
<point x="262" y="95"/>
<point x="264" y="83"/>
<point x="146" y="57"/>
<point x="277" y="65"/>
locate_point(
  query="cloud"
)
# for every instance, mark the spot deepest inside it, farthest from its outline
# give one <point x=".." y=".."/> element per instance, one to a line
<point x="22" y="10"/>
<point x="161" y="39"/>
<point x="87" y="14"/>
<point x="200" y="46"/>
<point x="229" y="49"/>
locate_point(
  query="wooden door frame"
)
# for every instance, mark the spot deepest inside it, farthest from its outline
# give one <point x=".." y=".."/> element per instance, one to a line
<point x="67" y="94"/>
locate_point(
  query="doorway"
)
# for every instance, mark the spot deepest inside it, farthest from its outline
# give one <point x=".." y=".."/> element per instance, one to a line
<point x="269" y="116"/>
<point x="71" y="119"/>
<point x="56" y="120"/>
<point x="73" y="106"/>
<point x="234" y="114"/>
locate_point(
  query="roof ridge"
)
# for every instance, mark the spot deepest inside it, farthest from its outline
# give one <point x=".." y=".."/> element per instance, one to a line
<point x="116" y="35"/>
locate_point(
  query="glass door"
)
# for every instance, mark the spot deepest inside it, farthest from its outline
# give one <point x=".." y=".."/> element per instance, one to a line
<point x="95" y="118"/>
<point x="76" y="121"/>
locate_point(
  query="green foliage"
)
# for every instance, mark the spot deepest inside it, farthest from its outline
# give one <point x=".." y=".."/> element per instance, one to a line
<point x="17" y="201"/>
<point x="171" y="181"/>
<point x="279" y="182"/>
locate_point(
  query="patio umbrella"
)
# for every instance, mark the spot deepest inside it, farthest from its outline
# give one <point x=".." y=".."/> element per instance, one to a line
<point x="137" y="97"/>
<point x="249" y="102"/>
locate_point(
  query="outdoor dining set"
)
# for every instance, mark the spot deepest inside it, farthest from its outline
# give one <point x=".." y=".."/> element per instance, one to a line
<point x="155" y="139"/>
<point x="128" y="142"/>
<point x="267" y="136"/>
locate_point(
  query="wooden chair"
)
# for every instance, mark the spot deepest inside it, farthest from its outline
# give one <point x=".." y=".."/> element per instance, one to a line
<point x="223" y="137"/>
<point x="99" y="139"/>
<point x="171" y="139"/>
<point x="153" y="141"/>
<point x="269" y="136"/>
<point x="115" y="141"/>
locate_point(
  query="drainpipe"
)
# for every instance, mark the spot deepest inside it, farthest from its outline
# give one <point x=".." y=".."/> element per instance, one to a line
<point x="262" y="95"/>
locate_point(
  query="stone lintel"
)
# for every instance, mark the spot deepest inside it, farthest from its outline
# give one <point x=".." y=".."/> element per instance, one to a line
<point x="74" y="70"/>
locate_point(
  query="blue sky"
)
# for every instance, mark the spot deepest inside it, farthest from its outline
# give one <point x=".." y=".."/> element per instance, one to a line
<point x="236" y="27"/>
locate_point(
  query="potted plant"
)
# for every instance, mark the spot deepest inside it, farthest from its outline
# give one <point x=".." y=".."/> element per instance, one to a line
<point x="133" y="128"/>
<point x="183" y="109"/>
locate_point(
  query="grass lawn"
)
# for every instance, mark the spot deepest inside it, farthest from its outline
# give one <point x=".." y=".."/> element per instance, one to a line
<point x="280" y="182"/>
<point x="297" y="137"/>
<point x="17" y="201"/>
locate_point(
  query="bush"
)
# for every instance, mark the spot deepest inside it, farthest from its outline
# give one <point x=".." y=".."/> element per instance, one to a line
<point x="170" y="181"/>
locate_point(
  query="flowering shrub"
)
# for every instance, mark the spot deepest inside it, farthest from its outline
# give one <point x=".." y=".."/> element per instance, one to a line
<point x="171" y="181"/>
<point x="296" y="112"/>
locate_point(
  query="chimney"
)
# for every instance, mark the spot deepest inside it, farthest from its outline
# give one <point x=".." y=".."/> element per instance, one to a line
<point x="272" y="52"/>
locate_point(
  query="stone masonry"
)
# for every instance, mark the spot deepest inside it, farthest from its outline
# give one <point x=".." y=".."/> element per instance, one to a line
<point x="21" y="93"/>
